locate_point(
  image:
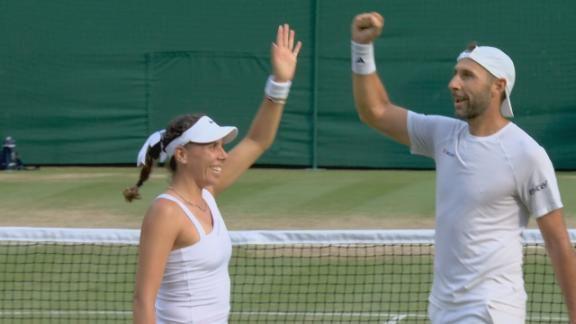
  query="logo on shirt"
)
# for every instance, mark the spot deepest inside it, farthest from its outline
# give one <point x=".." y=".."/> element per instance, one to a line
<point x="445" y="151"/>
<point x="537" y="188"/>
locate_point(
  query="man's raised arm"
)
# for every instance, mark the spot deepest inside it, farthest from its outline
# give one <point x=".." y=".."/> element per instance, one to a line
<point x="372" y="102"/>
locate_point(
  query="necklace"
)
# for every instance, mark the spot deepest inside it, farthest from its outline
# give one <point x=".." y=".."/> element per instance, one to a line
<point x="202" y="209"/>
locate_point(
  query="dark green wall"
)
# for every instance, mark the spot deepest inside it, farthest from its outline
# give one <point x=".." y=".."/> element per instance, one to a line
<point x="85" y="82"/>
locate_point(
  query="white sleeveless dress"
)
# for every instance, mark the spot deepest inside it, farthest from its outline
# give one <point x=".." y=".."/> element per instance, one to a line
<point x="196" y="285"/>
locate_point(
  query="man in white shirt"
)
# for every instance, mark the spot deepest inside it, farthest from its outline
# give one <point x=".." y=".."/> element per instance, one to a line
<point x="491" y="177"/>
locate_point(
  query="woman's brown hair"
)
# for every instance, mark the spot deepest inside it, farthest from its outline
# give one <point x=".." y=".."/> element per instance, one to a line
<point x="178" y="126"/>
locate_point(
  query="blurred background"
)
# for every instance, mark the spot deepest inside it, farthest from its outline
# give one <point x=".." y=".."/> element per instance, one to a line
<point x="85" y="82"/>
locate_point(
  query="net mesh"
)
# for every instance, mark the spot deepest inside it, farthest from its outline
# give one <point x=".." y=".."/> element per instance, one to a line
<point x="87" y="276"/>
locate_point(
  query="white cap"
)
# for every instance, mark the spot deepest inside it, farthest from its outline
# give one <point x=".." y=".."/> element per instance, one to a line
<point x="205" y="130"/>
<point x="9" y="142"/>
<point x="499" y="65"/>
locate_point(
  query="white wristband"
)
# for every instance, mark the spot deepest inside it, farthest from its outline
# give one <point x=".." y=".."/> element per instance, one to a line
<point x="277" y="91"/>
<point x="363" y="58"/>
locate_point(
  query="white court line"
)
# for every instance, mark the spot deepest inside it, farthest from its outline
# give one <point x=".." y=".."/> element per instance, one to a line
<point x="396" y="319"/>
<point x="561" y="319"/>
<point x="62" y="313"/>
<point x="335" y="314"/>
<point x="59" y="313"/>
<point x="393" y="318"/>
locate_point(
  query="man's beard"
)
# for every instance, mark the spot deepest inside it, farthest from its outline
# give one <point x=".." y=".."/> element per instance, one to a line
<point x="473" y="112"/>
<point x="476" y="108"/>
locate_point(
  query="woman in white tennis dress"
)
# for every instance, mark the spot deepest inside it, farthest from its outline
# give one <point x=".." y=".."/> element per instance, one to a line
<point x="185" y="248"/>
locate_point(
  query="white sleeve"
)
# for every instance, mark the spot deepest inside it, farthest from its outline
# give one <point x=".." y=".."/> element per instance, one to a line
<point x="538" y="187"/>
<point x="426" y="131"/>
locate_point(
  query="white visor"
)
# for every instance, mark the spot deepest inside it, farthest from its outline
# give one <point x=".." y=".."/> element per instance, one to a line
<point x="205" y="130"/>
<point x="150" y="142"/>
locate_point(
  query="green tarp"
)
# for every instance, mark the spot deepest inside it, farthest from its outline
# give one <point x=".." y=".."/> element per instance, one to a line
<point x="84" y="82"/>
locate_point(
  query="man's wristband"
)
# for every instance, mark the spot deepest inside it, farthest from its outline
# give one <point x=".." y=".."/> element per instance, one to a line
<point x="363" y="58"/>
<point x="277" y="92"/>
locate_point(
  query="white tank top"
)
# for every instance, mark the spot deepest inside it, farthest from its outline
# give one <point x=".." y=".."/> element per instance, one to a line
<point x="196" y="285"/>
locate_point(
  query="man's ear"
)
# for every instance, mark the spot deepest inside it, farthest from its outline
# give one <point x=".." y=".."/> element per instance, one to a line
<point x="500" y="86"/>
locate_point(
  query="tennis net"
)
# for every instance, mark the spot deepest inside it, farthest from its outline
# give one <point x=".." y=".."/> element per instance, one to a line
<point x="55" y="275"/>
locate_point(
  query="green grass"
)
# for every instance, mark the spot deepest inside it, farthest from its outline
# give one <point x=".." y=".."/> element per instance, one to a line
<point x="309" y="289"/>
<point x="261" y="199"/>
<point x="66" y="283"/>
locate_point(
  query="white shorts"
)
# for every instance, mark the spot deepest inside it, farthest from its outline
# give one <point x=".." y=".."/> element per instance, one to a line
<point x="489" y="313"/>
